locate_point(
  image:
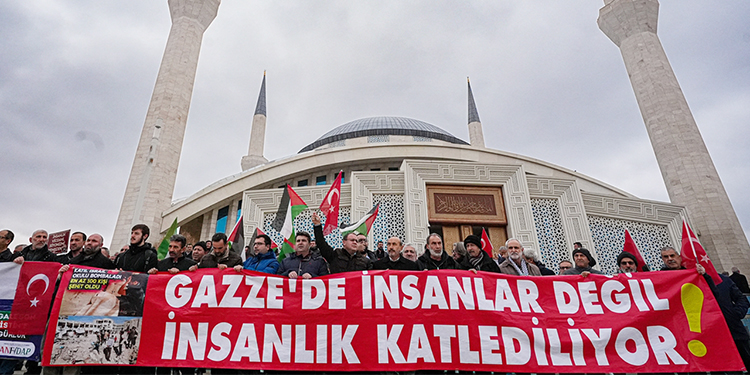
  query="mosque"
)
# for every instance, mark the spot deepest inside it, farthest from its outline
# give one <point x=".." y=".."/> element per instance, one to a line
<point x="428" y="180"/>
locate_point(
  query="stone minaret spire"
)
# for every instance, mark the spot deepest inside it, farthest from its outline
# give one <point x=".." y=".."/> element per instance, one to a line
<point x="476" y="136"/>
<point x="686" y="166"/>
<point x="254" y="155"/>
<point x="152" y="177"/>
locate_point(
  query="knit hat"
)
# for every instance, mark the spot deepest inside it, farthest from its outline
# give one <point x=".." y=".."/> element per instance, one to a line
<point x="585" y="252"/>
<point x="473" y="239"/>
<point x="628" y="255"/>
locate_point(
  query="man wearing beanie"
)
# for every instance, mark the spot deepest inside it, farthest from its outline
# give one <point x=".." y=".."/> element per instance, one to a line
<point x="583" y="261"/>
<point x="627" y="263"/>
<point x="477" y="259"/>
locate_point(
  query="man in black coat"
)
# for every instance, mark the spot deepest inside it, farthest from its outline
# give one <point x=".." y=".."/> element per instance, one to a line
<point x="740" y="280"/>
<point x="478" y="258"/>
<point x="435" y="257"/>
<point x="343" y="259"/>
<point x="77" y="241"/>
<point x="394" y="260"/>
<point x="91" y="255"/>
<point x="303" y="263"/>
<point x="6" y="237"/>
<point x="37" y="251"/>
<point x="140" y="256"/>
<point x="177" y="261"/>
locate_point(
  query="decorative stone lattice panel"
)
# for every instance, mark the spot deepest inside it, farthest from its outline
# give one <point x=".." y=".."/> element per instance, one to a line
<point x="369" y="188"/>
<point x="512" y="178"/>
<point x="390" y="221"/>
<point x="550" y="232"/>
<point x="638" y="210"/>
<point x="303" y="222"/>
<point x="570" y="203"/>
<point x="609" y="237"/>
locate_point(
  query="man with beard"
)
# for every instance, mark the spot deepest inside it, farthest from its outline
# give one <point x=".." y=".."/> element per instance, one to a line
<point x="394" y="260"/>
<point x="477" y="259"/>
<point x="380" y="251"/>
<point x="362" y="247"/>
<point x="516" y="264"/>
<point x="37" y="251"/>
<point x="140" y="256"/>
<point x="77" y="240"/>
<point x="220" y="257"/>
<point x="177" y="261"/>
<point x="342" y="259"/>
<point x="435" y="258"/>
<point x="303" y="263"/>
<point x="583" y="263"/>
<point x="91" y="255"/>
<point x="627" y="263"/>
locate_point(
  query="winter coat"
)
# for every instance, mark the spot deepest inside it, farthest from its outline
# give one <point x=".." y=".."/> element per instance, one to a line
<point x="41" y="255"/>
<point x="401" y="264"/>
<point x="183" y="264"/>
<point x="96" y="259"/>
<point x="486" y="264"/>
<point x="229" y="258"/>
<point x="312" y="264"/>
<point x="508" y="269"/>
<point x="265" y="263"/>
<point x="445" y="262"/>
<point x="137" y="258"/>
<point x="339" y="260"/>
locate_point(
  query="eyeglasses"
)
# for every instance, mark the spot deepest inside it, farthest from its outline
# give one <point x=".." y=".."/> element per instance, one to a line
<point x="514" y="247"/>
<point x="564" y="267"/>
<point x="362" y="240"/>
<point x="627" y="263"/>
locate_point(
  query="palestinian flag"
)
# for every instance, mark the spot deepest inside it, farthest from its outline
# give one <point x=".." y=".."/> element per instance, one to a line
<point x="291" y="206"/>
<point x="237" y="238"/>
<point x="364" y="224"/>
<point x="163" y="249"/>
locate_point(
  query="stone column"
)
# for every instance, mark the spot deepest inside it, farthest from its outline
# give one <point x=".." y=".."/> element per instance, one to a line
<point x="152" y="177"/>
<point x="476" y="135"/>
<point x="254" y="155"/>
<point x="686" y="166"/>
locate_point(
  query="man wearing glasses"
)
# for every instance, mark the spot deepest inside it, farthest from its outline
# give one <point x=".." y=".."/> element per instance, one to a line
<point x="627" y="262"/>
<point x="344" y="259"/>
<point x="564" y="266"/>
<point x="6" y="237"/>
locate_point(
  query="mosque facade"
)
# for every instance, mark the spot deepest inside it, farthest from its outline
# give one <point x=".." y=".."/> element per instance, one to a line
<point x="427" y="180"/>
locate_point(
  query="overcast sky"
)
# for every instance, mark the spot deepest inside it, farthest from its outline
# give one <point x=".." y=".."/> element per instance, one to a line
<point x="76" y="78"/>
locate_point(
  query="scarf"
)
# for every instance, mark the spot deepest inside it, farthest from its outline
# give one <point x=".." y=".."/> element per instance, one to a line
<point x="523" y="271"/>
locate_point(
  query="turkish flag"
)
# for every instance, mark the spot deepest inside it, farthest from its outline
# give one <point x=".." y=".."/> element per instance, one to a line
<point x="34" y="292"/>
<point x="486" y="244"/>
<point x="692" y="252"/>
<point x="330" y="206"/>
<point x="630" y="247"/>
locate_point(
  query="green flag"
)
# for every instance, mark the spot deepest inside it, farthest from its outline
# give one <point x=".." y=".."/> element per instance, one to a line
<point x="161" y="253"/>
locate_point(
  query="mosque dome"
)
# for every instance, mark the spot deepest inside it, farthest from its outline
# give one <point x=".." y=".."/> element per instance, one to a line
<point x="383" y="125"/>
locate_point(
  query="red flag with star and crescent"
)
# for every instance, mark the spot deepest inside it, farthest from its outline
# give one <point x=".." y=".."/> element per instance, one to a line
<point x="34" y="292"/>
<point x="330" y="206"/>
<point x="692" y="252"/>
<point x="486" y="244"/>
<point x="630" y="247"/>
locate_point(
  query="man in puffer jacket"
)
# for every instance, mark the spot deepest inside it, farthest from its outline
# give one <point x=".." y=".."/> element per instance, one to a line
<point x="264" y="259"/>
<point x="302" y="263"/>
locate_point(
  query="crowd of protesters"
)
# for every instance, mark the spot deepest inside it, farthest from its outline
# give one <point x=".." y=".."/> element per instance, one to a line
<point x="313" y="257"/>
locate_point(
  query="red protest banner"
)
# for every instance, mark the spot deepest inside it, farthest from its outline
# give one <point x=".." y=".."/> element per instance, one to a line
<point x="57" y="242"/>
<point x="402" y="321"/>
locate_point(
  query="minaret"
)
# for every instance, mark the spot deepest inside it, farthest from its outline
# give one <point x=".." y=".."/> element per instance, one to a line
<point x="686" y="166"/>
<point x="254" y="155"/>
<point x="152" y="177"/>
<point x="476" y="136"/>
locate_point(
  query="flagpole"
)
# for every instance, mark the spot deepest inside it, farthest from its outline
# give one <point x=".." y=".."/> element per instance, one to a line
<point x="692" y="246"/>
